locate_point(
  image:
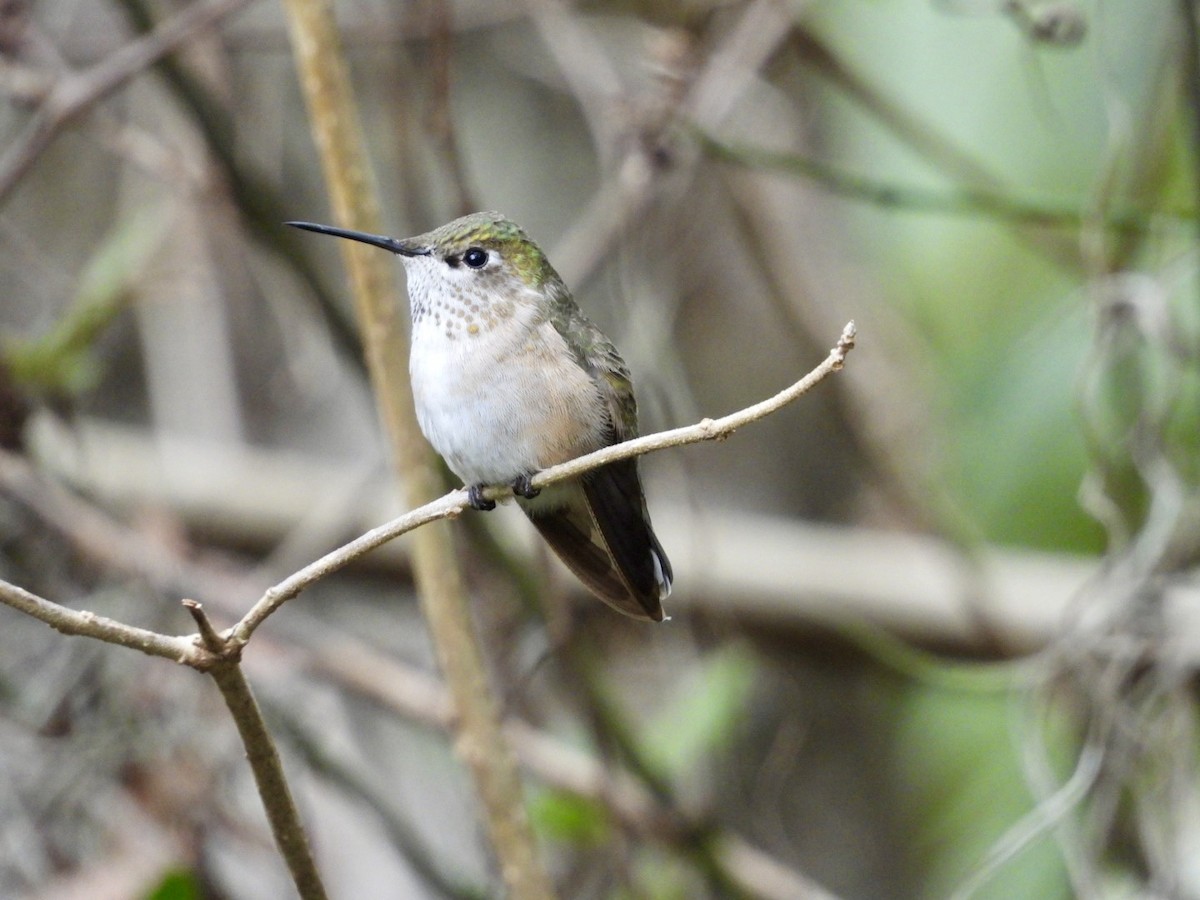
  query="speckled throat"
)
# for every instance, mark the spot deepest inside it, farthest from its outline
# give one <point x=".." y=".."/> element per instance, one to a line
<point x="455" y="311"/>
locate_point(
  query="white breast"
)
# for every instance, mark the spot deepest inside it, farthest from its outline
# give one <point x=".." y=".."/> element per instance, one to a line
<point x="504" y="398"/>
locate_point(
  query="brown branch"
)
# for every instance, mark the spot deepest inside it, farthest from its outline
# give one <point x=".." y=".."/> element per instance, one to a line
<point x="272" y="784"/>
<point x="83" y="623"/>
<point x="455" y="502"/>
<point x="704" y="430"/>
<point x="277" y="800"/>
<point x="446" y="507"/>
<point x="189" y="649"/>
<point x="207" y="652"/>
<point x="627" y="192"/>
<point x="76" y="93"/>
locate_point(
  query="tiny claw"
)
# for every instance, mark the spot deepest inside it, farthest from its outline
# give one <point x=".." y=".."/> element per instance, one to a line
<point x="476" y="499"/>
<point x="522" y="488"/>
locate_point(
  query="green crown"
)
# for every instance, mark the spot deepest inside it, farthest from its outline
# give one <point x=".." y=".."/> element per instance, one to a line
<point x="491" y="230"/>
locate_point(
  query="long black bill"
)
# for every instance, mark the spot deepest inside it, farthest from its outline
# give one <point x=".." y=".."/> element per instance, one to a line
<point x="396" y="245"/>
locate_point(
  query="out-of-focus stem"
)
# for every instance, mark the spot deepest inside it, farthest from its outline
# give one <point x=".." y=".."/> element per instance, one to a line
<point x="336" y="128"/>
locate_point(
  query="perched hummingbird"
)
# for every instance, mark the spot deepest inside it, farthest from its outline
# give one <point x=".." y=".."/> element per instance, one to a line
<point x="509" y="377"/>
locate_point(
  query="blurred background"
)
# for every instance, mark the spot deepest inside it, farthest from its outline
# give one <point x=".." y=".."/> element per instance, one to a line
<point x="935" y="628"/>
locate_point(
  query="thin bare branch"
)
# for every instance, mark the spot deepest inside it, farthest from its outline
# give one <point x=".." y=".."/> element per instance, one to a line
<point x="184" y="649"/>
<point x="282" y="814"/>
<point x="272" y="784"/>
<point x="208" y="635"/>
<point x="704" y="430"/>
<point x="446" y="507"/>
<point x="630" y="189"/>
<point x="455" y="502"/>
<point x="83" y="623"/>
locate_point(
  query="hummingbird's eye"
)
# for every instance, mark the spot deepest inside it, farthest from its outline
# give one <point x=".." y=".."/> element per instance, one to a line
<point x="476" y="258"/>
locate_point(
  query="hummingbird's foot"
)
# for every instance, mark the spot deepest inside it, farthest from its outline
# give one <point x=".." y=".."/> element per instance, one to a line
<point x="477" y="500"/>
<point x="522" y="488"/>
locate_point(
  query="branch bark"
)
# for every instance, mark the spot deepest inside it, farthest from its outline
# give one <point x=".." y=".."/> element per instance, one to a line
<point x="273" y="789"/>
<point x="87" y="624"/>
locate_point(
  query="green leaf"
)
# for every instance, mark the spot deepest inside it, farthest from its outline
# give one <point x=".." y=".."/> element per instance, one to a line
<point x="568" y="817"/>
<point x="965" y="788"/>
<point x="62" y="362"/>
<point x="1020" y="456"/>
<point x="178" y="884"/>
<point x="704" y="715"/>
<point x="659" y="876"/>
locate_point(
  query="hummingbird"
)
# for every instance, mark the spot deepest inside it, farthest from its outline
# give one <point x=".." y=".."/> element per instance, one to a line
<point x="509" y="377"/>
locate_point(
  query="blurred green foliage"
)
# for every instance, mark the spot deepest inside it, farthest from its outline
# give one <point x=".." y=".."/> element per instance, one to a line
<point x="1032" y="385"/>
<point x="1002" y="311"/>
<point x="958" y="758"/>
<point x="703" y="716"/>
<point x="567" y="817"/>
<point x="64" y="362"/>
<point x="177" y="885"/>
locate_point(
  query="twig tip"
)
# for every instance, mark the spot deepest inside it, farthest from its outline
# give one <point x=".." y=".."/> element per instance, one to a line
<point x="212" y="641"/>
<point x="845" y="344"/>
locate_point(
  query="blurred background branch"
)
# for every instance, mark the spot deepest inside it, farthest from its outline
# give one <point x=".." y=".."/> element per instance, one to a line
<point x="73" y="94"/>
<point x="480" y="744"/>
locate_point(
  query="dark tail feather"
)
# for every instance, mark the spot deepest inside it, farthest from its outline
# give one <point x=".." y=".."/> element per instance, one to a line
<point x="618" y="505"/>
<point x="603" y="535"/>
